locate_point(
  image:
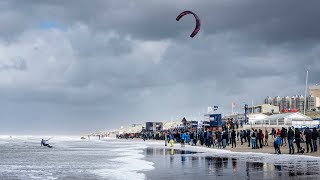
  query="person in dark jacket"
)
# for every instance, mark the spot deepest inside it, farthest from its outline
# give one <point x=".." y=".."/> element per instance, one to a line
<point x="242" y="135"/>
<point x="297" y="138"/>
<point x="315" y="136"/>
<point x="257" y="139"/>
<point x="248" y="137"/>
<point x="308" y="135"/>
<point x="283" y="136"/>
<point x="233" y="139"/>
<point x="261" y="136"/>
<point x="266" y="137"/>
<point x="290" y="140"/>
<point x="224" y="139"/>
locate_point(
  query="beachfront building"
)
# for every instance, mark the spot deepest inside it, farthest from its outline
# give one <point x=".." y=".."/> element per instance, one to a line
<point x="268" y="100"/>
<point x="264" y="109"/>
<point x="293" y="102"/>
<point x="311" y="103"/>
<point x="314" y="90"/>
<point x="296" y="103"/>
<point x="287" y="119"/>
<point x="285" y="103"/>
<point x="300" y="103"/>
<point x="235" y="117"/>
<point x="277" y="101"/>
<point x="154" y="126"/>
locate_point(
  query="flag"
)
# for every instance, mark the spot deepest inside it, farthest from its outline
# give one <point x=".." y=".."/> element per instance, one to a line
<point x="233" y="104"/>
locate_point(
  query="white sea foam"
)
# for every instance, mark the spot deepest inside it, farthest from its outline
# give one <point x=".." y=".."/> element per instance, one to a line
<point x="129" y="162"/>
<point x="106" y="158"/>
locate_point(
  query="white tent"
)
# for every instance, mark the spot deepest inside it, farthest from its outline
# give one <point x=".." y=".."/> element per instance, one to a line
<point x="253" y="118"/>
<point x="288" y="119"/>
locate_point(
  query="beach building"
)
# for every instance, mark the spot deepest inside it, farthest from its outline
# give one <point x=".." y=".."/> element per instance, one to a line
<point x="236" y="117"/>
<point x="314" y="90"/>
<point x="154" y="126"/>
<point x="264" y="109"/>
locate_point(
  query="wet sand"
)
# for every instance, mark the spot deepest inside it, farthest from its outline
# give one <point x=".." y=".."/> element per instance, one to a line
<point x="186" y="164"/>
<point x="268" y="149"/>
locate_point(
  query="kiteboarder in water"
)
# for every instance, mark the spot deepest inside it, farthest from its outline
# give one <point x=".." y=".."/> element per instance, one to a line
<point x="44" y="143"/>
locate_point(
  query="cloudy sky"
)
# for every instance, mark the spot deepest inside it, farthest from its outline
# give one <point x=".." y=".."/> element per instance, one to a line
<point x="77" y="66"/>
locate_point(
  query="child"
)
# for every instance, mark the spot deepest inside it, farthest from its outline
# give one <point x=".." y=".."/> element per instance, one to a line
<point x="277" y="144"/>
<point x="171" y="142"/>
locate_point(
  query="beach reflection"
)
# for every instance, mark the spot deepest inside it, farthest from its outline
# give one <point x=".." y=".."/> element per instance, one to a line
<point x="187" y="164"/>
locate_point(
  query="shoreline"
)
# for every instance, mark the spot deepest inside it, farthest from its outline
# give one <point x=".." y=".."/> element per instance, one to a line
<point x="240" y="149"/>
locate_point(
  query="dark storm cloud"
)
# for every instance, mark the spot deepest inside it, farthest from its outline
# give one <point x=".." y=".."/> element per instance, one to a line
<point x="111" y="58"/>
<point x="272" y="21"/>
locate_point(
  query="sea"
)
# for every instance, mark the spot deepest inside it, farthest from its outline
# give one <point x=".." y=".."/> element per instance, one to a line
<point x="23" y="157"/>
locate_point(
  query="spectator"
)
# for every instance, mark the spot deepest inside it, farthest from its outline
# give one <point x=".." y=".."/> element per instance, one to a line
<point x="233" y="139"/>
<point x="277" y="144"/>
<point x="315" y="135"/>
<point x="290" y="140"/>
<point x="297" y="138"/>
<point x="266" y="138"/>
<point x="308" y="135"/>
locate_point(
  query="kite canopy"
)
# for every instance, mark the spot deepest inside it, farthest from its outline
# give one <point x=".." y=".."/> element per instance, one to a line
<point x="197" y="28"/>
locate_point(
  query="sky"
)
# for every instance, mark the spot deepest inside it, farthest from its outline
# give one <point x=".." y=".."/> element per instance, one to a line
<point x="77" y="66"/>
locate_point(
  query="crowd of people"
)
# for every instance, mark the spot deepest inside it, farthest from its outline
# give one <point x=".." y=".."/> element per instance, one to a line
<point x="232" y="136"/>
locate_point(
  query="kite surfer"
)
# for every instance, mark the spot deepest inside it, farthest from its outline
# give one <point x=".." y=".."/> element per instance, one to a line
<point x="44" y="143"/>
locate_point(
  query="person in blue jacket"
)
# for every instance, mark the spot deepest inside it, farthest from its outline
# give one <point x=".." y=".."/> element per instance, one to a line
<point x="188" y="138"/>
<point x="208" y="139"/>
<point x="183" y="139"/>
<point x="277" y="144"/>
